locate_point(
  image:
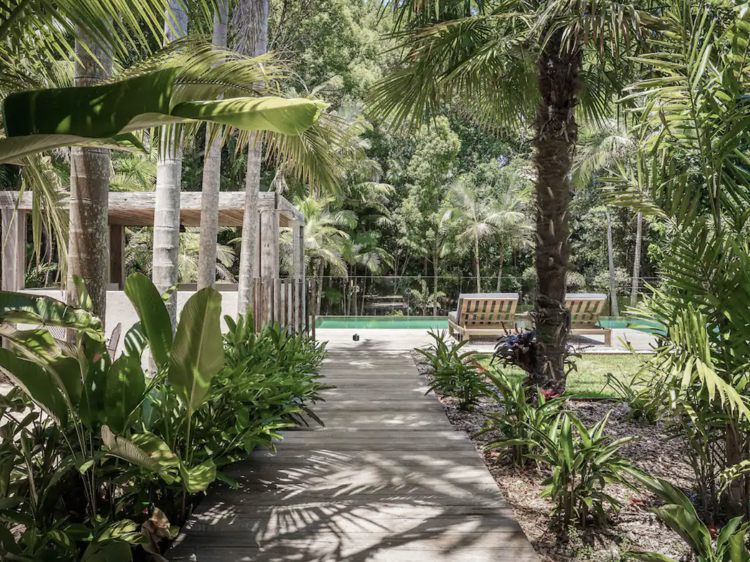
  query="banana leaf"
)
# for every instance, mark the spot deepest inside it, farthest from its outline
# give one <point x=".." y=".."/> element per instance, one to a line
<point x="46" y="311"/>
<point x="198" y="352"/>
<point x="37" y="383"/>
<point x="40" y="120"/>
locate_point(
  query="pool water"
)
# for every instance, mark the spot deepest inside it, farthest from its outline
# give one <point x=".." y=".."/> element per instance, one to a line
<point x="620" y="322"/>
<point x="441" y="323"/>
<point x="384" y="322"/>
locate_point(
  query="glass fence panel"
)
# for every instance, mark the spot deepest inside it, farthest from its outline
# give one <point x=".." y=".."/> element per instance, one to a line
<point x="429" y="296"/>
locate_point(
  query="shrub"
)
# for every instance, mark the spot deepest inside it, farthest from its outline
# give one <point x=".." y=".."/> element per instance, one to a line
<point x="644" y="403"/>
<point x="680" y="516"/>
<point x="581" y="468"/>
<point x="520" y="419"/>
<point x="117" y="456"/>
<point x="453" y="372"/>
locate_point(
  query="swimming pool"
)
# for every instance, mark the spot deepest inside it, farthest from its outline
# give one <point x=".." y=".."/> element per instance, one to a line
<point x="384" y="322"/>
<point x="441" y="323"/>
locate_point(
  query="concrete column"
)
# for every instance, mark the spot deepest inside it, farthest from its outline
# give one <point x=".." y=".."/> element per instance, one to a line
<point x="117" y="255"/>
<point x="13" y="245"/>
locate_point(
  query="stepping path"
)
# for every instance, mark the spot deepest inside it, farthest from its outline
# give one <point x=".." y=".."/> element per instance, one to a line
<point x="387" y="480"/>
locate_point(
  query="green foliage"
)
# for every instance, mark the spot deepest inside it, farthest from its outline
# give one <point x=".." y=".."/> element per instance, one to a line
<point x="519" y="420"/>
<point x="424" y="300"/>
<point x="644" y="403"/>
<point x="117" y="448"/>
<point x="453" y="372"/>
<point x="680" y="516"/>
<point x="581" y="466"/>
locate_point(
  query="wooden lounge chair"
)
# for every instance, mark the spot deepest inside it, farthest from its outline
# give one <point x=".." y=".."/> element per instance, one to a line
<point x="585" y="311"/>
<point x="487" y="314"/>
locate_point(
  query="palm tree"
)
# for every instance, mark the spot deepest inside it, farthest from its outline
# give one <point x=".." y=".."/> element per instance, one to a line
<point x="478" y="218"/>
<point x="691" y="173"/>
<point x="510" y="62"/>
<point x="89" y="196"/>
<point x="33" y="34"/>
<point x="606" y="148"/>
<point x="211" y="176"/>
<point x="325" y="240"/>
<point x="255" y="13"/>
<point x="168" y="184"/>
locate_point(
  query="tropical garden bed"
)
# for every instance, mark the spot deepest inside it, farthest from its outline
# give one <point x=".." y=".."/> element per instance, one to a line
<point x="102" y="462"/>
<point x="634" y="527"/>
<point x="588" y="478"/>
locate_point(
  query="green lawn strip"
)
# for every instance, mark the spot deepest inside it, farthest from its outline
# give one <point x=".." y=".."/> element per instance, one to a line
<point x="589" y="380"/>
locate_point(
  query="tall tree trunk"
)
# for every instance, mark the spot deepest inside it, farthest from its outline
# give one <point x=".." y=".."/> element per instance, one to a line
<point x="435" y="281"/>
<point x="556" y="134"/>
<point x="476" y="261"/>
<point x="614" y="309"/>
<point x="321" y="270"/>
<point x="88" y="256"/>
<point x="500" y="269"/>
<point x="168" y="182"/>
<point x="257" y="12"/>
<point x="211" y="178"/>
<point x="637" y="261"/>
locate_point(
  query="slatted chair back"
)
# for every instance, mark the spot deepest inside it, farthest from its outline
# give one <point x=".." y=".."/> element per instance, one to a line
<point x="487" y="311"/>
<point x="585" y="309"/>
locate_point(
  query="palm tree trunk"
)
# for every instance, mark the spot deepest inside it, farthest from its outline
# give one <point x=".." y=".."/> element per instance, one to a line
<point x="476" y="261"/>
<point x="168" y="182"/>
<point x="211" y="178"/>
<point x="637" y="261"/>
<point x="614" y="309"/>
<point x="435" y="281"/>
<point x="500" y="269"/>
<point x="321" y="270"/>
<point x="556" y="133"/>
<point x="89" y="196"/>
<point x="257" y="11"/>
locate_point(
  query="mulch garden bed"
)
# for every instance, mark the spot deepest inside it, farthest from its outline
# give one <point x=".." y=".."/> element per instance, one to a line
<point x="633" y="528"/>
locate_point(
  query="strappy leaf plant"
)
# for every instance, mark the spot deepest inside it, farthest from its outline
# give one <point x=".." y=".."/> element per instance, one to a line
<point x="519" y="419"/>
<point x="453" y="371"/>
<point x="582" y="466"/>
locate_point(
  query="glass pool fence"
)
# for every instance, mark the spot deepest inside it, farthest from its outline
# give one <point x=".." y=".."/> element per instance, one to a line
<point x="423" y="302"/>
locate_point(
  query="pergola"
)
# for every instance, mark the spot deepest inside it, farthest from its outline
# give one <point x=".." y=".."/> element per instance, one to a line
<point x="137" y="209"/>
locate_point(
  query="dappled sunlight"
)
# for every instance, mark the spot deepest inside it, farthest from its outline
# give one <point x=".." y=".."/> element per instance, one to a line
<point x="385" y="489"/>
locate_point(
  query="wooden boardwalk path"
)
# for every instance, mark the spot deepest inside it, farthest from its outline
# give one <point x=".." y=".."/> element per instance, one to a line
<point x="387" y="480"/>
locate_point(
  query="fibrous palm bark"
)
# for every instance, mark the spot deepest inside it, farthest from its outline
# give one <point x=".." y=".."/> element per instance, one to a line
<point x="89" y="195"/>
<point x="211" y="178"/>
<point x="556" y="132"/>
<point x="258" y="12"/>
<point x="168" y="182"/>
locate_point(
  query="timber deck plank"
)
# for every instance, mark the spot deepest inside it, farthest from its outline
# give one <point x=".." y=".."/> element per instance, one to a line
<point x="386" y="480"/>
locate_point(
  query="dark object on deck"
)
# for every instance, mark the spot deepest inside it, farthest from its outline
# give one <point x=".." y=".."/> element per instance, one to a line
<point x="355" y="337"/>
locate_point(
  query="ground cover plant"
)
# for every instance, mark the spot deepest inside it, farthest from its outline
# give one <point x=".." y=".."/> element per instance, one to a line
<point x="98" y="458"/>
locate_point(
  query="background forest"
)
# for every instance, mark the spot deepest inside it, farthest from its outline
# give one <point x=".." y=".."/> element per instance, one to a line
<point x="452" y="200"/>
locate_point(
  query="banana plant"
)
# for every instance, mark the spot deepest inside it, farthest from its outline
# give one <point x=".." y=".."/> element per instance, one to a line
<point x="188" y="361"/>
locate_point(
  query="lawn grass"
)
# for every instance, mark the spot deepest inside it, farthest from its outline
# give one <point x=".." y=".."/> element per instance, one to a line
<point x="589" y="380"/>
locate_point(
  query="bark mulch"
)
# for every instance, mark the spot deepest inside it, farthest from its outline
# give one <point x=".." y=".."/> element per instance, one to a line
<point x="633" y="528"/>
